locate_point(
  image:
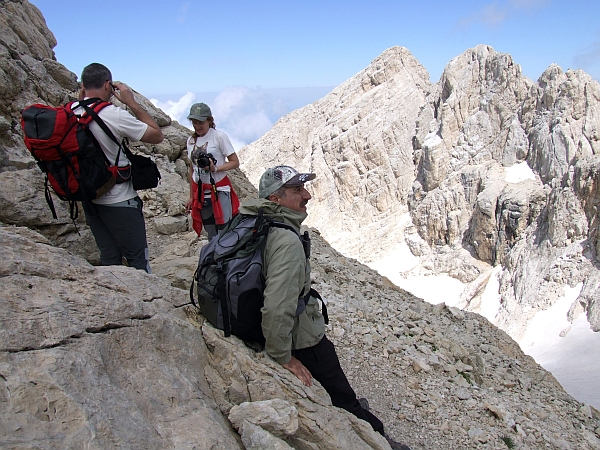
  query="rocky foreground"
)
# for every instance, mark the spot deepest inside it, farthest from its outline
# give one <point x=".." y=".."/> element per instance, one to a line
<point x="110" y="357"/>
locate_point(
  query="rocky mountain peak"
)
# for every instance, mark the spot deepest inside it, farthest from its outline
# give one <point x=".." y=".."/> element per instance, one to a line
<point x="407" y="164"/>
<point x="24" y="31"/>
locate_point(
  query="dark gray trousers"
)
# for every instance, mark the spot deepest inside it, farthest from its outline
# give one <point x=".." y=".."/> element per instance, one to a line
<point x="120" y="232"/>
<point x="323" y="363"/>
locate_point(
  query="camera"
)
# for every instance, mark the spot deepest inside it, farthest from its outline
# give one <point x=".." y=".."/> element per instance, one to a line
<point x="204" y="160"/>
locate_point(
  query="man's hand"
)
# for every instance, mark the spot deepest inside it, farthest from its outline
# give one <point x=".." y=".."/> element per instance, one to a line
<point x="124" y="94"/>
<point x="298" y="369"/>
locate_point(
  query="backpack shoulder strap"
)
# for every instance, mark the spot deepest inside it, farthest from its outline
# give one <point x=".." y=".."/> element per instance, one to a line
<point x="304" y="238"/>
<point x="93" y="113"/>
<point x="283" y="225"/>
<point x="95" y="103"/>
<point x="92" y="107"/>
<point x="313" y="293"/>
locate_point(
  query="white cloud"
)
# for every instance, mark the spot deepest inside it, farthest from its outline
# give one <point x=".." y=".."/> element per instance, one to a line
<point x="240" y="112"/>
<point x="237" y="144"/>
<point x="243" y="113"/>
<point x="495" y="13"/>
<point x="178" y="109"/>
<point x="182" y="14"/>
<point x="492" y="14"/>
<point x="589" y="59"/>
<point x="528" y="4"/>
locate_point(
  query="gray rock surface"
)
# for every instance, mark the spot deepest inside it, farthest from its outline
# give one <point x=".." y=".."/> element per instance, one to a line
<point x="88" y="356"/>
<point x="111" y="357"/>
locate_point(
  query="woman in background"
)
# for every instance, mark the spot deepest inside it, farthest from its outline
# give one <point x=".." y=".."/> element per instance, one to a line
<point x="211" y="155"/>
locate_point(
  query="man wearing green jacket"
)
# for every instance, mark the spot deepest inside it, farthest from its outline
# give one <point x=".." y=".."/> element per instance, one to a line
<point x="294" y="330"/>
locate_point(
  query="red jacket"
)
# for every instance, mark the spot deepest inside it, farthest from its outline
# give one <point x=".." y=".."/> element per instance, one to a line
<point x="217" y="211"/>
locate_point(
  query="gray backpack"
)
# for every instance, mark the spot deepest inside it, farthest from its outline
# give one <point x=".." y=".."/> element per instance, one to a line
<point x="229" y="278"/>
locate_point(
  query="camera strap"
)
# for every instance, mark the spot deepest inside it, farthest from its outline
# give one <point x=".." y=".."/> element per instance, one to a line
<point x="212" y="180"/>
<point x="214" y="186"/>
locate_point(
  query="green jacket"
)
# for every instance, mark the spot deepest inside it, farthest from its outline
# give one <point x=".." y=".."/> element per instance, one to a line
<point x="287" y="276"/>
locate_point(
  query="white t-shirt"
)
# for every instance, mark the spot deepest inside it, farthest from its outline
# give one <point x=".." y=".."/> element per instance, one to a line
<point x="216" y="143"/>
<point x="122" y="124"/>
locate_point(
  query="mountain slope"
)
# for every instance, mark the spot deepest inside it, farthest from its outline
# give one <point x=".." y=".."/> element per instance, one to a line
<point x="403" y="163"/>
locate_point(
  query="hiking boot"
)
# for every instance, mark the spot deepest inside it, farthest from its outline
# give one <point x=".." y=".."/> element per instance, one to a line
<point x="364" y="403"/>
<point x="396" y="445"/>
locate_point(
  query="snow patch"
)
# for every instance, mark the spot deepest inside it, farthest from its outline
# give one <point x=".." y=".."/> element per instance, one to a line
<point x="490" y="300"/>
<point x="571" y="351"/>
<point x="518" y="172"/>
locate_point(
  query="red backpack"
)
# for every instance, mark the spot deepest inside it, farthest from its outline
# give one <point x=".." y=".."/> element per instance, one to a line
<point x="68" y="153"/>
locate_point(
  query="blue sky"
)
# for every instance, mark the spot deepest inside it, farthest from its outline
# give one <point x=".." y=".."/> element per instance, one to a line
<point x="254" y="61"/>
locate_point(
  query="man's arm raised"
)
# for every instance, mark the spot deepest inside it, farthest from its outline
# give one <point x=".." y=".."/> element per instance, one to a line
<point x="153" y="134"/>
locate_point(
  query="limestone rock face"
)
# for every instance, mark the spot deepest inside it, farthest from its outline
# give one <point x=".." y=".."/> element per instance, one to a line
<point x="358" y="139"/>
<point x="387" y="143"/>
<point x="564" y="128"/>
<point x="487" y="117"/>
<point x="107" y="357"/>
<point x="29" y="73"/>
<point x="87" y="356"/>
<point x="111" y="357"/>
<point x="474" y="108"/>
<point x="26" y="62"/>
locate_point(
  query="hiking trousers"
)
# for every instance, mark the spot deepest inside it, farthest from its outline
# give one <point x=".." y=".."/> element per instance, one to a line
<point x="119" y="231"/>
<point x="323" y="363"/>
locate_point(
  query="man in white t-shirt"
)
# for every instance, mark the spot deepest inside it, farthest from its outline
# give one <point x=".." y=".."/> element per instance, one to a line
<point x="116" y="218"/>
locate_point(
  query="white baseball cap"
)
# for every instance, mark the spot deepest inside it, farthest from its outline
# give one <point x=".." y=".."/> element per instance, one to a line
<point x="279" y="176"/>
